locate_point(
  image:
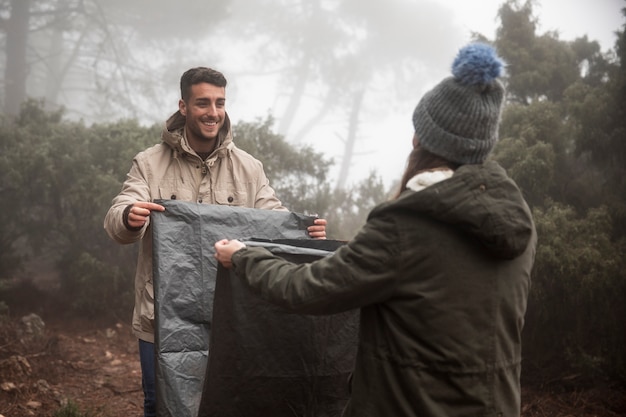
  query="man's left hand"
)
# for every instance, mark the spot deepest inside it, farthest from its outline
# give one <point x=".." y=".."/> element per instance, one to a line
<point x="318" y="230"/>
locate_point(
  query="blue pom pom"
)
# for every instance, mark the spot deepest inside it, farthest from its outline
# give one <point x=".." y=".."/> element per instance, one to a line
<point x="477" y="64"/>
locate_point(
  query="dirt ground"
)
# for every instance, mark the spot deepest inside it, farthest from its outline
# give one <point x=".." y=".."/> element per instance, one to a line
<point x="95" y="365"/>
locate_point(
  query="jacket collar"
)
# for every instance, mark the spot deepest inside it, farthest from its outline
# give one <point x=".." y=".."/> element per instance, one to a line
<point x="173" y="135"/>
<point x="427" y="178"/>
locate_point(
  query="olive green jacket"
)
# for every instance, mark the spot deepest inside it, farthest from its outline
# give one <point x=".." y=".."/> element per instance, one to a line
<point x="442" y="278"/>
<point x="172" y="170"/>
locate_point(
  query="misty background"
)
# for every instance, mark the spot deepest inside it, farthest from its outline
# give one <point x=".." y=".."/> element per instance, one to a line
<point x="341" y="76"/>
<point x="86" y="84"/>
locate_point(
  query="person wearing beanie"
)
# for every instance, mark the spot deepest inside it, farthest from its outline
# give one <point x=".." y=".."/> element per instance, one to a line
<point x="441" y="273"/>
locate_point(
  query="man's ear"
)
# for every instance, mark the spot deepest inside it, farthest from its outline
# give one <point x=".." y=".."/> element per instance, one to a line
<point x="182" y="107"/>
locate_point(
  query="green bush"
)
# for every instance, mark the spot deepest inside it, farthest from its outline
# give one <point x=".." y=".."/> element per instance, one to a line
<point x="95" y="288"/>
<point x="576" y="310"/>
<point x="70" y="409"/>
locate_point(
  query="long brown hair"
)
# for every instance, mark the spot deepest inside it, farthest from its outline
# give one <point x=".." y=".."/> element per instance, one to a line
<point x="422" y="160"/>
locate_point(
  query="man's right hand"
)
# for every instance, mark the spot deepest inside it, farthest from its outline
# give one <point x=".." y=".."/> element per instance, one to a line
<point x="140" y="212"/>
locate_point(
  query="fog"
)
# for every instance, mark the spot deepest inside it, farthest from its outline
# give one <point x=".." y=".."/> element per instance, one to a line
<point x="340" y="76"/>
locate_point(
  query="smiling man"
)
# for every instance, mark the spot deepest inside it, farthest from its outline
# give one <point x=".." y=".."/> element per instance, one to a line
<point x="197" y="160"/>
<point x="204" y="107"/>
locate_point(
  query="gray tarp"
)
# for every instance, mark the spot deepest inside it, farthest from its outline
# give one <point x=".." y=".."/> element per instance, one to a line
<point x="266" y="361"/>
<point x="184" y="275"/>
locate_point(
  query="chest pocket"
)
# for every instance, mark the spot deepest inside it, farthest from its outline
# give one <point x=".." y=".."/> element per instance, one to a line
<point x="232" y="198"/>
<point x="170" y="192"/>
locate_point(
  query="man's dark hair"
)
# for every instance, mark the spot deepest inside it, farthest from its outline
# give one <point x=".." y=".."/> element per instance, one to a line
<point x="199" y="75"/>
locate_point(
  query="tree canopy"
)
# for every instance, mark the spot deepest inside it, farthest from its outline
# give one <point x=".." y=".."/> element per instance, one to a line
<point x="562" y="141"/>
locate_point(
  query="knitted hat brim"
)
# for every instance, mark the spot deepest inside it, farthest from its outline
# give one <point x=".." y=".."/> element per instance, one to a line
<point x="454" y="148"/>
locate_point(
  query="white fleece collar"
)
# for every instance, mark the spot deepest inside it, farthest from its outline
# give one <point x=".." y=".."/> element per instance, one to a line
<point x="428" y="178"/>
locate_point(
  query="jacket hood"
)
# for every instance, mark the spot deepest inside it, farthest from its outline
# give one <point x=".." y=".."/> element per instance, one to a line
<point x="173" y="135"/>
<point x="482" y="201"/>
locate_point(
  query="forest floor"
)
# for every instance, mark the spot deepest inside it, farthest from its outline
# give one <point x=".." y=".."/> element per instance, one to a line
<point x="94" y="366"/>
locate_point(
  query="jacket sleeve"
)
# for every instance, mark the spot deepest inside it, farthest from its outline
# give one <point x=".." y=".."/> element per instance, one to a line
<point x="360" y="273"/>
<point x="134" y="189"/>
<point x="266" y="196"/>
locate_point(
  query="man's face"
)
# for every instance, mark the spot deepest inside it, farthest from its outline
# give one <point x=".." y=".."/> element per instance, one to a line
<point x="205" y="111"/>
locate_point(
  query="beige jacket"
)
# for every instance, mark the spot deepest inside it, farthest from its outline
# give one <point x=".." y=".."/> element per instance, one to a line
<point x="172" y="170"/>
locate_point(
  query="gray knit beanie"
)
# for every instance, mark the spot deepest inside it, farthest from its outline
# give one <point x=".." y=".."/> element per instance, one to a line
<point x="458" y="119"/>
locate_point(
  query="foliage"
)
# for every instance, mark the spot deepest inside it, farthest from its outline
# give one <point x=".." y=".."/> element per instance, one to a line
<point x="297" y="174"/>
<point x="539" y="66"/>
<point x="71" y="409"/>
<point x="93" y="287"/>
<point x="60" y="178"/>
<point x="576" y="306"/>
<point x="562" y="141"/>
<point x="352" y="206"/>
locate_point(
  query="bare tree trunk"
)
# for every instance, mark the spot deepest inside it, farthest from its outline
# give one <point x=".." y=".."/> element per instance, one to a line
<point x="54" y="79"/>
<point x="16" y="67"/>
<point x="348" y="153"/>
<point x="295" y="97"/>
<point x="59" y="62"/>
<point x="303" y="73"/>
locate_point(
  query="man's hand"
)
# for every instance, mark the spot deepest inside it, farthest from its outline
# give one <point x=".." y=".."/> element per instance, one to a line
<point x="318" y="230"/>
<point x="224" y="250"/>
<point x="140" y="212"/>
